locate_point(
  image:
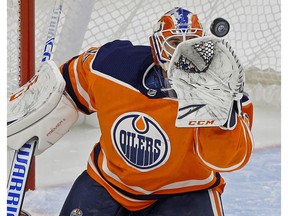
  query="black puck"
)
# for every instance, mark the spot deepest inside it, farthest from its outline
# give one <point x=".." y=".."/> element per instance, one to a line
<point x="220" y="27"/>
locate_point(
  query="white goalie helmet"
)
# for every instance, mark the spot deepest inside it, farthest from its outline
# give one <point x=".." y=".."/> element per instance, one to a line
<point x="173" y="27"/>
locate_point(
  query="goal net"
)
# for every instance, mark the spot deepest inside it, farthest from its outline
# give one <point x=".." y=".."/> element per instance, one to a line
<point x="254" y="33"/>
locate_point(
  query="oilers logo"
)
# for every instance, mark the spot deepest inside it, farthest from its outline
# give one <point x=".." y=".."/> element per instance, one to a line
<point x="140" y="141"/>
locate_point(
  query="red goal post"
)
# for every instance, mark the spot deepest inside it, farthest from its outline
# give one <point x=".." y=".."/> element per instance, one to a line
<point x="24" y="66"/>
<point x="255" y="34"/>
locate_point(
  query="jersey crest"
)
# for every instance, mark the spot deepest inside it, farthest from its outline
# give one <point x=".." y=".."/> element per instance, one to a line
<point x="140" y="141"/>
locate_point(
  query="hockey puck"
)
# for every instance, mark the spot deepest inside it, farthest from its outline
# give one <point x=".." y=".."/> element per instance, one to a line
<point x="220" y="27"/>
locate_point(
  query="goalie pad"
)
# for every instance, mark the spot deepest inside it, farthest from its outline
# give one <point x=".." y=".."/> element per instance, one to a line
<point x="207" y="78"/>
<point x="40" y="109"/>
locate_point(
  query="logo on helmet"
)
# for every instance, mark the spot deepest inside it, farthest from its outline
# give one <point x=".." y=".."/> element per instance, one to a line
<point x="140" y="141"/>
<point x="181" y="16"/>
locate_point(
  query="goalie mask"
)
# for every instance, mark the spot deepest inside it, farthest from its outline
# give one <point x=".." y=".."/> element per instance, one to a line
<point x="175" y="26"/>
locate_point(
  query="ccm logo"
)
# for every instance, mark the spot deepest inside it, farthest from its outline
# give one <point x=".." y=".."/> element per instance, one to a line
<point x="201" y="122"/>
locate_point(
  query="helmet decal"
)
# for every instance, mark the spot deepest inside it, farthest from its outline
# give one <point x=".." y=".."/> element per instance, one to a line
<point x="181" y="17"/>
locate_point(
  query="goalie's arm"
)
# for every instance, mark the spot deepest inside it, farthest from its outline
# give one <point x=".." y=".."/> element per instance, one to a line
<point x="225" y="150"/>
<point x="77" y="75"/>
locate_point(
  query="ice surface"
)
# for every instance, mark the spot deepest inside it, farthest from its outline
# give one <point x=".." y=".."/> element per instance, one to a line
<point x="254" y="190"/>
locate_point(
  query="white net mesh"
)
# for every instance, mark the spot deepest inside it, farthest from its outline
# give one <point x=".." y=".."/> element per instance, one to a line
<point x="13" y="46"/>
<point x="254" y="35"/>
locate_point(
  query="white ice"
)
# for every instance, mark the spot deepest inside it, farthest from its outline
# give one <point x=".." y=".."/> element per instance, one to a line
<point x="251" y="191"/>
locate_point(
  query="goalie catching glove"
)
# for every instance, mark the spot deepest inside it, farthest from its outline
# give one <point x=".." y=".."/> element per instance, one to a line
<point x="208" y="80"/>
<point x="40" y="109"/>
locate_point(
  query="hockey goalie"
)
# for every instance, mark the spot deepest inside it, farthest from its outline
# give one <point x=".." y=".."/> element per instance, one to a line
<point x="172" y="115"/>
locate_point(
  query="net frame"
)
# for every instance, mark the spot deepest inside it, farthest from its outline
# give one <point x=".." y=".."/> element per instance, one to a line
<point x="23" y="31"/>
<point x="255" y="34"/>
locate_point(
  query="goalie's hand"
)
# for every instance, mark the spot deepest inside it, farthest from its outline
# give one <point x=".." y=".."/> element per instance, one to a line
<point x="231" y="122"/>
<point x="40" y="109"/>
<point x="207" y="78"/>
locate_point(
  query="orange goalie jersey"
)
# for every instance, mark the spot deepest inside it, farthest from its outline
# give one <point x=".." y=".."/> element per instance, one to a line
<point x="141" y="155"/>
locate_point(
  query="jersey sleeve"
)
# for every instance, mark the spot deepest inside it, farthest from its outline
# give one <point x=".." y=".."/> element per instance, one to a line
<point x="224" y="150"/>
<point x="78" y="76"/>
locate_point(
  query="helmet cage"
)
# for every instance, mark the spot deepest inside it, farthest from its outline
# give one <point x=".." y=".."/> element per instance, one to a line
<point x="162" y="41"/>
<point x="175" y="23"/>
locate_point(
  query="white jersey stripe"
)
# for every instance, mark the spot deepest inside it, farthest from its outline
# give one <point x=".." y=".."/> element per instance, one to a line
<point x="174" y="185"/>
<point x="213" y="204"/>
<point x="215" y="201"/>
<point x="90" y="162"/>
<point x="80" y="89"/>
